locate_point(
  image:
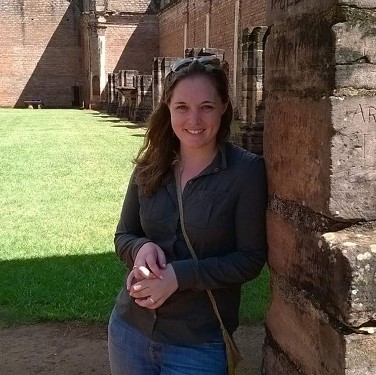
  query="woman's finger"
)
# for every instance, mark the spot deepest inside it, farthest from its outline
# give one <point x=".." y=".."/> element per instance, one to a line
<point x="145" y="273"/>
<point x="143" y="293"/>
<point x="150" y="302"/>
<point x="131" y="279"/>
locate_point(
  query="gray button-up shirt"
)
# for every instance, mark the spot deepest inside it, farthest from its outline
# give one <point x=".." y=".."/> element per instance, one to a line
<point x="224" y="214"/>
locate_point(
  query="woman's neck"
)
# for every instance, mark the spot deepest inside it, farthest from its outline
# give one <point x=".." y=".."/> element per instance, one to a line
<point x="193" y="163"/>
<point x="191" y="158"/>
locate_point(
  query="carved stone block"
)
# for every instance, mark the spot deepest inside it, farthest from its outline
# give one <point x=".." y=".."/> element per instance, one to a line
<point x="323" y="154"/>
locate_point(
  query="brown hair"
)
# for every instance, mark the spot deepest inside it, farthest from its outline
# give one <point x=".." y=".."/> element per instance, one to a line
<point x="161" y="146"/>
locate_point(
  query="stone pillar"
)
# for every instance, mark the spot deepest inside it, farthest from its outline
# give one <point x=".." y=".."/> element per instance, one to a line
<point x="144" y="101"/>
<point x="252" y="108"/>
<point x="320" y="153"/>
<point x="126" y="89"/>
<point x="111" y="93"/>
<point x="102" y="57"/>
<point x="161" y="67"/>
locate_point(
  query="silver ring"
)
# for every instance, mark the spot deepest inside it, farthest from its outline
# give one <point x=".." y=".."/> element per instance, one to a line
<point x="134" y="267"/>
<point x="151" y="299"/>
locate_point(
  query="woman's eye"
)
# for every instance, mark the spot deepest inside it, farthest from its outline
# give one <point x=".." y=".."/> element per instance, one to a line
<point x="207" y="107"/>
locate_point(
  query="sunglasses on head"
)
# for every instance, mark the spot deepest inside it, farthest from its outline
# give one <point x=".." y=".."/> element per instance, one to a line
<point x="205" y="60"/>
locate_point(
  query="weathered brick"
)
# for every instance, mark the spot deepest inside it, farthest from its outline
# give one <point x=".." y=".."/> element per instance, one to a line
<point x="355" y="246"/>
<point x="276" y="362"/>
<point x="335" y="269"/>
<point x="297" y="150"/>
<point x="360" y="355"/>
<point x="300" y="340"/>
<point x="300" y="331"/>
<point x="329" y="147"/>
<point x="40" y="52"/>
<point x="298" y="58"/>
<point x="280" y="10"/>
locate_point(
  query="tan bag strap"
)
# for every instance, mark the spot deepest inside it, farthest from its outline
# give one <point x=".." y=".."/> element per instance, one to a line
<point x="190" y="247"/>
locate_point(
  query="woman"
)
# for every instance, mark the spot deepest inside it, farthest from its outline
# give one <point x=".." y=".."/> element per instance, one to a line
<point x="163" y="321"/>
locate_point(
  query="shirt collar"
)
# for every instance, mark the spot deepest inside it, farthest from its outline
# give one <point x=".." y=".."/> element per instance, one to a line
<point x="219" y="163"/>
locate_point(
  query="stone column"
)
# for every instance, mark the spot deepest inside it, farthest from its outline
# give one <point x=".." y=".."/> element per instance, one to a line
<point x="320" y="152"/>
<point x="111" y="90"/>
<point x="253" y="105"/>
<point x="102" y="56"/>
<point x="112" y="93"/>
<point x="144" y="102"/>
<point x="161" y="67"/>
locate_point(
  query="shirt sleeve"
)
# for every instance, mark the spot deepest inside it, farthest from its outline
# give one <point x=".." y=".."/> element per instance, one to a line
<point x="129" y="236"/>
<point x="244" y="262"/>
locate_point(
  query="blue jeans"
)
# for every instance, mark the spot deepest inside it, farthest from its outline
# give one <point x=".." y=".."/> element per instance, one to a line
<point x="132" y="353"/>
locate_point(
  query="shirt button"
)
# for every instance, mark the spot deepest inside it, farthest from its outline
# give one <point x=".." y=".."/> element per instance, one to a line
<point x="190" y="182"/>
<point x="216" y="170"/>
<point x="154" y="316"/>
<point x="175" y="237"/>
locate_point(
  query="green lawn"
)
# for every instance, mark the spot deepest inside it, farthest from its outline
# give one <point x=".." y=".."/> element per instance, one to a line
<point x="63" y="174"/>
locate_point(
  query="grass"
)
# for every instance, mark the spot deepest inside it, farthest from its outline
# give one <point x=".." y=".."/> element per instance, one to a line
<point x="63" y="175"/>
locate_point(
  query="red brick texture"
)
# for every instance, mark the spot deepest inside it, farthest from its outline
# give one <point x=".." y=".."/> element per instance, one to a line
<point x="40" y="52"/>
<point x="131" y="43"/>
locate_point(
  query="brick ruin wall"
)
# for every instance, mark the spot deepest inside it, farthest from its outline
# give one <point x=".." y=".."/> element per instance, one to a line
<point x="46" y="52"/>
<point x="141" y="34"/>
<point x="40" y="52"/>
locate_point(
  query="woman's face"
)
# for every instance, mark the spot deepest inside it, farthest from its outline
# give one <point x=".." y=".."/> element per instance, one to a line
<point x="196" y="110"/>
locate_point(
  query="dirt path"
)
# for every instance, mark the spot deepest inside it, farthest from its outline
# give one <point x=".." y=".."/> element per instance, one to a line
<point x="75" y="349"/>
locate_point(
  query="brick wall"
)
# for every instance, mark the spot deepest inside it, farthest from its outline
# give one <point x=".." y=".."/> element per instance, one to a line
<point x="40" y="51"/>
<point x="131" y="43"/>
<point x="131" y="5"/>
<point x="252" y="13"/>
<point x="171" y="30"/>
<point x="221" y="29"/>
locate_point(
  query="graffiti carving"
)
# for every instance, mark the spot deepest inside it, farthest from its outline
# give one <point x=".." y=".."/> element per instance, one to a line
<point x="366" y="113"/>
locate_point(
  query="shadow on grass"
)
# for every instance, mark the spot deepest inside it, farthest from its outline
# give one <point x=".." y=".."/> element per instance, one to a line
<point x="120" y="123"/>
<point x="114" y="121"/>
<point x="73" y="287"/>
<point x="83" y="288"/>
<point x="130" y="126"/>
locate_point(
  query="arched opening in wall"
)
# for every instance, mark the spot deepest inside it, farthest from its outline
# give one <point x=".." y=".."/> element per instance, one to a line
<point x="96" y="86"/>
<point x="76" y="96"/>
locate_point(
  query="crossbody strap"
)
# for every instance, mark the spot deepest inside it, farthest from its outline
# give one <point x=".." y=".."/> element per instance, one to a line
<point x="190" y="247"/>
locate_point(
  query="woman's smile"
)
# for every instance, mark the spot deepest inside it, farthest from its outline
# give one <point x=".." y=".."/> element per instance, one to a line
<point x="195" y="132"/>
